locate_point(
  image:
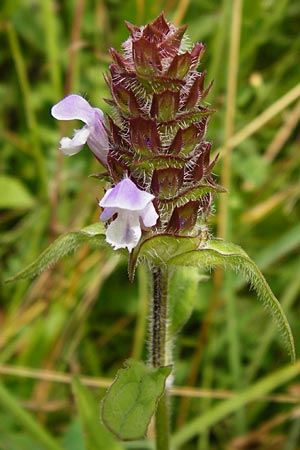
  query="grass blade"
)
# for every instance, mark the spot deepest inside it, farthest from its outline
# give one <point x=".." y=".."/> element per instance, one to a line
<point x="24" y="419"/>
<point x="219" y="412"/>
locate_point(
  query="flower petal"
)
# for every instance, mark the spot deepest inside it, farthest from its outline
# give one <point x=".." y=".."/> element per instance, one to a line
<point x="124" y="231"/>
<point x="73" y="107"/>
<point x="126" y="195"/>
<point x="76" y="107"/>
<point x="149" y="216"/>
<point x="108" y="213"/>
<point x="98" y="140"/>
<point x="72" y="146"/>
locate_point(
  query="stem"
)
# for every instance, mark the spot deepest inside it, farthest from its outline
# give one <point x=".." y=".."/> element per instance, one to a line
<point x="162" y="424"/>
<point x="142" y="313"/>
<point x="224" y="223"/>
<point x="159" y="356"/>
<point x="52" y="46"/>
<point x="29" y="111"/>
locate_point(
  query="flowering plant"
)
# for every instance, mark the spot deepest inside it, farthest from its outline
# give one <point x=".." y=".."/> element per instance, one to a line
<point x="157" y="206"/>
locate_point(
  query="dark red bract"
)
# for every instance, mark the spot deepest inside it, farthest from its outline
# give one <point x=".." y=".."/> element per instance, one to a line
<point x="157" y="130"/>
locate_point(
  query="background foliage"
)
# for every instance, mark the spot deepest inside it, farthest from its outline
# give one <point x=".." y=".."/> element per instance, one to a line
<point x="83" y="317"/>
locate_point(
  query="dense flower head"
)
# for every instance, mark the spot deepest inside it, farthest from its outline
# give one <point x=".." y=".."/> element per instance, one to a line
<point x="157" y="129"/>
<point x="153" y="144"/>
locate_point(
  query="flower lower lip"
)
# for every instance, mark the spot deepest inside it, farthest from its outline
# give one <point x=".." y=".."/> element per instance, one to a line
<point x="134" y="210"/>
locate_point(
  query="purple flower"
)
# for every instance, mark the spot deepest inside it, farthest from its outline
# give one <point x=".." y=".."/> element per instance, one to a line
<point x="134" y="209"/>
<point x="93" y="133"/>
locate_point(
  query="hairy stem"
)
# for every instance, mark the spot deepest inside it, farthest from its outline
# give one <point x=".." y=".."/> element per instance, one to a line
<point x="159" y="356"/>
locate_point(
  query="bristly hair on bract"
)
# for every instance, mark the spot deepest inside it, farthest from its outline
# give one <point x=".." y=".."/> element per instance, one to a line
<point x="158" y="125"/>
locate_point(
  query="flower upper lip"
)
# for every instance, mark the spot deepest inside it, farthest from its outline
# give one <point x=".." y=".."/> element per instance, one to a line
<point x="126" y="195"/>
<point x="93" y="133"/>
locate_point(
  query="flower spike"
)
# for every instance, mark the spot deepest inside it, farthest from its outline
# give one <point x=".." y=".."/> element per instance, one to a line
<point x="154" y="146"/>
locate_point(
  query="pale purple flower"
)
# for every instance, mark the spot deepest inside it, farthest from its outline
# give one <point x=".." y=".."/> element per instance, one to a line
<point x="134" y="209"/>
<point x="93" y="133"/>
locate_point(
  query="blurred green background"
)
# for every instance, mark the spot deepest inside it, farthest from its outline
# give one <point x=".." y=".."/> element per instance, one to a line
<point x="83" y="316"/>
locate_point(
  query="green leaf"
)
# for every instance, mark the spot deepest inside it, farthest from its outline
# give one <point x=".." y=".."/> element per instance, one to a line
<point x="92" y="235"/>
<point x="94" y="229"/>
<point x="182" y="296"/>
<point x="13" y="194"/>
<point x="97" y="437"/>
<point x="159" y="249"/>
<point x="131" y="400"/>
<point x="220" y="253"/>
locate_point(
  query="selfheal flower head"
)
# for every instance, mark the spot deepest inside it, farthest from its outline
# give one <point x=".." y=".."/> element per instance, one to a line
<point x="154" y="149"/>
<point x="134" y="209"/>
<point x="157" y="129"/>
<point x="93" y="133"/>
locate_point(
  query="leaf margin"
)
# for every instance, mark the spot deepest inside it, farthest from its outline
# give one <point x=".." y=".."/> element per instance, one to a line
<point x="216" y="253"/>
<point x="91" y="235"/>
